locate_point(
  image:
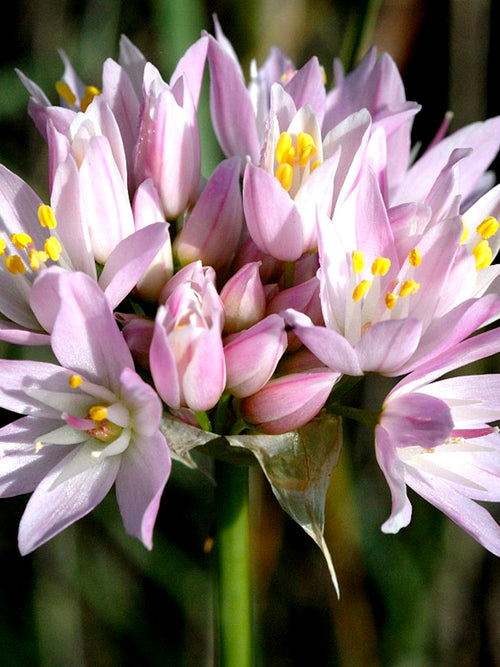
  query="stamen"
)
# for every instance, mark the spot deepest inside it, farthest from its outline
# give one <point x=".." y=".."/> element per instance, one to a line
<point x="306" y="148"/>
<point x="38" y="446"/>
<point x="415" y="257"/>
<point x="323" y="74"/>
<point x="98" y="413"/>
<point x="46" y="216"/>
<point x="358" y="261"/>
<point x="409" y="287"/>
<point x="53" y="248"/>
<point x="390" y="300"/>
<point x="21" y="240"/>
<point x="315" y="164"/>
<point x="482" y="253"/>
<point x="90" y="93"/>
<point x="36" y="258"/>
<point x="488" y="227"/>
<point x="65" y="92"/>
<point x="284" y="174"/>
<point x="360" y="290"/>
<point x="15" y="264"/>
<point x="465" y="233"/>
<point x="75" y="381"/>
<point x="3" y="245"/>
<point x="380" y="266"/>
<point x="283" y="145"/>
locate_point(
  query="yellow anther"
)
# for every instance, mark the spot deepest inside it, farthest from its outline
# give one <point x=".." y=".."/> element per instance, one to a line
<point x="323" y="74"/>
<point x="409" y="287"/>
<point x="65" y="92"/>
<point x="487" y="227"/>
<point x="380" y="266"/>
<point x="46" y="216"/>
<point x="358" y="261"/>
<point x="90" y="93"/>
<point x="38" y="446"/>
<point x="36" y="258"/>
<point x="315" y="164"/>
<point x="98" y="413"/>
<point x="284" y="174"/>
<point x="415" y="257"/>
<point x="53" y="248"/>
<point x="465" y="233"/>
<point x="15" y="264"/>
<point x="21" y="241"/>
<point x="482" y="253"/>
<point x="360" y="290"/>
<point x="3" y="245"/>
<point x="283" y="145"/>
<point x="306" y="148"/>
<point x="390" y="300"/>
<point x="75" y="381"/>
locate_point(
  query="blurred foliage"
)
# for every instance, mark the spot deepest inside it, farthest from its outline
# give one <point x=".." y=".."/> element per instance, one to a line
<point x="428" y="596"/>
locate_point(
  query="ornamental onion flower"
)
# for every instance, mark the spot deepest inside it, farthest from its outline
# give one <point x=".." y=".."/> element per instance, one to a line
<point x="90" y="422"/>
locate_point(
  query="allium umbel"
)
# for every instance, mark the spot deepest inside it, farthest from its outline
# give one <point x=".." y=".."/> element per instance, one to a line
<point x="252" y="298"/>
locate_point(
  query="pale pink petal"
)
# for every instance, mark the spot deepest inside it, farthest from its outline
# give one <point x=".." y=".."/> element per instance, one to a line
<point x="144" y="471"/>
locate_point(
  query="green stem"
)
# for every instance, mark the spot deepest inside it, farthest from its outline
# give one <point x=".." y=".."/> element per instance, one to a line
<point x="368" y="418"/>
<point x="233" y="566"/>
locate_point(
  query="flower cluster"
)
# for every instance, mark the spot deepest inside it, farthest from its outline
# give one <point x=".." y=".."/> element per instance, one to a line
<point x="318" y="250"/>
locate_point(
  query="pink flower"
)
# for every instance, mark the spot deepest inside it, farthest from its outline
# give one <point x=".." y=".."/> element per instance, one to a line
<point x="90" y="422"/>
<point x="186" y="356"/>
<point x="435" y="437"/>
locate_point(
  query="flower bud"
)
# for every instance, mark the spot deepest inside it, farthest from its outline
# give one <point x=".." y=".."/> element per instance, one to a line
<point x="186" y="355"/>
<point x="252" y="355"/>
<point x="212" y="231"/>
<point x="244" y="298"/>
<point x="288" y="402"/>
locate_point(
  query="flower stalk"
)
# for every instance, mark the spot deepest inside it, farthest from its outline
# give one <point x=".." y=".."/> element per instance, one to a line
<point x="233" y="599"/>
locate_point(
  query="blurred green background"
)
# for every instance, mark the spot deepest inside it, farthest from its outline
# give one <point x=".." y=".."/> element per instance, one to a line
<point x="427" y="597"/>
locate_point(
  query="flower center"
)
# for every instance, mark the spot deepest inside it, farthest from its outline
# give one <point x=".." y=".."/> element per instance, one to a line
<point x="69" y="96"/>
<point x="293" y="158"/>
<point x="29" y="255"/>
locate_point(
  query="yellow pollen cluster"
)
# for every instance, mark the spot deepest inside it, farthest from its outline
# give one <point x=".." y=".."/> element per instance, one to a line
<point x="98" y="413"/>
<point x="415" y="257"/>
<point x="465" y="233"/>
<point x="482" y="253"/>
<point x="358" y="261"/>
<point x="46" y="216"/>
<point x="390" y="300"/>
<point x="488" y="227"/>
<point x="409" y="287"/>
<point x="90" y="93"/>
<point x="65" y="92"/>
<point x="360" y="290"/>
<point x="69" y="96"/>
<point x="36" y="258"/>
<point x="288" y="155"/>
<point x="23" y="241"/>
<point x="53" y="248"/>
<point x="75" y="381"/>
<point x="380" y="266"/>
<point x="15" y="264"/>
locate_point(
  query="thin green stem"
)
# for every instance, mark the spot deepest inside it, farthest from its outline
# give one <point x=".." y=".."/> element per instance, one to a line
<point x="233" y="566"/>
<point x="369" y="418"/>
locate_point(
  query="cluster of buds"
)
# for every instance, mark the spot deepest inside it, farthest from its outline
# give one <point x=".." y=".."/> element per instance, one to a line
<point x="315" y="250"/>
